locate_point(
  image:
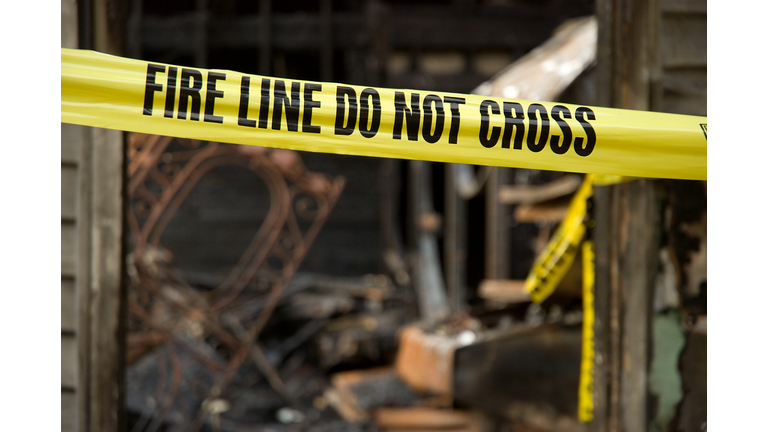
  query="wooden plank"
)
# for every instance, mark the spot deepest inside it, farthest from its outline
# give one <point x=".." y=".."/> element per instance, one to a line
<point x="637" y="272"/>
<point x="421" y="418"/>
<point x="68" y="310"/>
<point x="326" y="40"/>
<point x="530" y="375"/>
<point x="498" y="28"/>
<point x="83" y="280"/>
<point x="530" y="194"/>
<point x="105" y="382"/>
<point x="68" y="411"/>
<point x="533" y="77"/>
<point x="72" y="137"/>
<point x="506" y="291"/>
<point x="200" y="42"/>
<point x="349" y="396"/>
<point x="433" y="27"/>
<point x="693" y="368"/>
<point x="68" y="361"/>
<point x="68" y="248"/>
<point x="683" y="40"/>
<point x="461" y="82"/>
<point x="68" y="192"/>
<point x="551" y="212"/>
<point x="629" y="56"/>
<point x="684" y="6"/>
<point x="264" y="32"/>
<point x="69" y="24"/>
<point x="686" y="81"/>
<point x="684" y="104"/>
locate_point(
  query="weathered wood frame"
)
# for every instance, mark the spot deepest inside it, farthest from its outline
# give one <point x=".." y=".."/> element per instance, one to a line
<point x="91" y="248"/>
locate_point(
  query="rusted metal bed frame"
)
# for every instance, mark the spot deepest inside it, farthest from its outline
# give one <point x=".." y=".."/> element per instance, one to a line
<point x="162" y="171"/>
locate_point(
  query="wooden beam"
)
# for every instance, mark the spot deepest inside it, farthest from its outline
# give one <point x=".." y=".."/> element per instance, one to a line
<point x="100" y="256"/>
<point x="542" y="213"/>
<point x="433" y="28"/>
<point x="326" y="40"/>
<point x="636" y="258"/>
<point x="68" y="411"/>
<point x="423" y="418"/>
<point x="104" y="311"/>
<point x="504" y="291"/>
<point x="68" y="305"/>
<point x="625" y="226"/>
<point x="263" y="22"/>
<point x="526" y="374"/>
<point x="68" y="248"/>
<point x="530" y="194"/>
<point x="68" y="361"/>
<point x="82" y="280"/>
<point x="201" y="33"/>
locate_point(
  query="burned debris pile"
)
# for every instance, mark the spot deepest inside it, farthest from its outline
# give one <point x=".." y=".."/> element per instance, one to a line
<point x="263" y="347"/>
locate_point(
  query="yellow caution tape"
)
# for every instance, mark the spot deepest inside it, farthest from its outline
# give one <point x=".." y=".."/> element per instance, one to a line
<point x="586" y="378"/>
<point x="607" y="179"/>
<point x="557" y="257"/>
<point x="217" y="105"/>
<point x="553" y="263"/>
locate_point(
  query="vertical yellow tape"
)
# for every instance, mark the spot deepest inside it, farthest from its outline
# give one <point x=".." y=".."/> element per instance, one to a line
<point x="586" y="404"/>
<point x="553" y="263"/>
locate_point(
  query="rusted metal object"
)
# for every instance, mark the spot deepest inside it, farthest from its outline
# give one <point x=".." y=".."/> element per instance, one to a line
<point x="165" y="310"/>
<point x="428" y="277"/>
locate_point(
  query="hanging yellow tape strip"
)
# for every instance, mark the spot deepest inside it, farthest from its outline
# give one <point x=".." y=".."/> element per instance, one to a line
<point x="117" y="93"/>
<point x="553" y="263"/>
<point x="586" y="378"/>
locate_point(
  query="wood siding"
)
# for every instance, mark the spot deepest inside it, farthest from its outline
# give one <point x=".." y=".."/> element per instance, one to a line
<point x="652" y="55"/>
<point x="70" y="150"/>
<point x="71" y="141"/>
<point x="91" y="247"/>
<point x="683" y="57"/>
<point x="71" y="137"/>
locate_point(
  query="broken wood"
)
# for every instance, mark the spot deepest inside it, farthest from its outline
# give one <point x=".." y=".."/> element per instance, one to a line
<point x="529" y="374"/>
<point x="346" y="408"/>
<point x="418" y="418"/>
<point x="355" y="393"/>
<point x="546" y="71"/>
<point x="504" y="291"/>
<point x="425" y="361"/>
<point x="541" y="213"/>
<point x="531" y="194"/>
<point x="425" y="356"/>
<point x="360" y="337"/>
